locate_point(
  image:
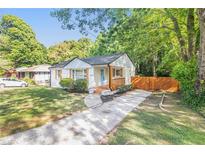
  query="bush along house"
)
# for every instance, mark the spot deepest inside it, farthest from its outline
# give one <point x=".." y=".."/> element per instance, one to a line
<point x="101" y="72"/>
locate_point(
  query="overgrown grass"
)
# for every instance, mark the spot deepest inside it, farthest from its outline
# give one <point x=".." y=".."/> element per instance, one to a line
<point x="151" y="125"/>
<point x="25" y="108"/>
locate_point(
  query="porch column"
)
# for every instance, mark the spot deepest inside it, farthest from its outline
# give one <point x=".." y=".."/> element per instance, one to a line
<point x="87" y="74"/>
<point x="69" y="73"/>
<point x="91" y="76"/>
<point x="110" y="77"/>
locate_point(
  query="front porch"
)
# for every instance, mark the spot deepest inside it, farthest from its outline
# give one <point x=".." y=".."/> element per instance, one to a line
<point x="108" y="77"/>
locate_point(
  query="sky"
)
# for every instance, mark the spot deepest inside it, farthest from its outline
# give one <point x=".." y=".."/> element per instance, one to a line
<point x="48" y="30"/>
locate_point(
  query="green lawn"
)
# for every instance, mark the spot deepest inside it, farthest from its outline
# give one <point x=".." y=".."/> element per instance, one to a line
<point x="25" y="108"/>
<point x="151" y="125"/>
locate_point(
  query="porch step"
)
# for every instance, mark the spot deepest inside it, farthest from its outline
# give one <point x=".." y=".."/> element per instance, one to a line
<point x="99" y="89"/>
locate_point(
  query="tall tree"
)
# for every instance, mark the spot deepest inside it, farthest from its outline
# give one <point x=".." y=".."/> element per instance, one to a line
<point x="179" y="35"/>
<point x="184" y="27"/>
<point x="191" y="32"/>
<point x="96" y="20"/>
<point x="5" y="64"/>
<point x="201" y="55"/>
<point x="69" y="49"/>
<point x="23" y="48"/>
<point x="141" y="36"/>
<point x="150" y="36"/>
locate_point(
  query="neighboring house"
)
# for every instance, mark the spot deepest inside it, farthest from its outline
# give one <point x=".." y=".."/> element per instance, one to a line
<point x="39" y="73"/>
<point x="10" y="73"/>
<point x="102" y="72"/>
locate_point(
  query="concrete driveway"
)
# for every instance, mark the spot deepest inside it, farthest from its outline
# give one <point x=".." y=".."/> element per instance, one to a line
<point x="87" y="127"/>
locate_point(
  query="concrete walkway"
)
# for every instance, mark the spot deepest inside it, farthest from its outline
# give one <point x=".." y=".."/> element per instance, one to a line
<point x="87" y="127"/>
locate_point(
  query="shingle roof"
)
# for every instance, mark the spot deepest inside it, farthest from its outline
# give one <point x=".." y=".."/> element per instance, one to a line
<point x="36" y="68"/>
<point x="98" y="60"/>
<point x="101" y="60"/>
<point x="61" y="64"/>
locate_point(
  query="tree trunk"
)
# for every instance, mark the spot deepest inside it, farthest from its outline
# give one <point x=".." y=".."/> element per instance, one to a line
<point x="154" y="64"/>
<point x="137" y="69"/>
<point x="180" y="38"/>
<point x="201" y="54"/>
<point x="190" y="33"/>
<point x="197" y="41"/>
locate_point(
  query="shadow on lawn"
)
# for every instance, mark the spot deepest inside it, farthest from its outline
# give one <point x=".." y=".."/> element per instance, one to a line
<point x="31" y="107"/>
<point x="150" y="125"/>
<point x="18" y="101"/>
<point x="156" y="130"/>
<point x="50" y="134"/>
<point x="83" y="129"/>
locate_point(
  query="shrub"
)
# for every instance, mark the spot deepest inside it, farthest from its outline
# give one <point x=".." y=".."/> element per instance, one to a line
<point x="29" y="81"/>
<point x="194" y="100"/>
<point x="66" y="83"/>
<point x="186" y="74"/>
<point x="80" y="85"/>
<point x="124" y="88"/>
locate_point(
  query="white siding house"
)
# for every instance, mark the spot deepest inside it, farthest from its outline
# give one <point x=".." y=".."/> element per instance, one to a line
<point x="39" y="73"/>
<point x="127" y="65"/>
<point x="107" y="72"/>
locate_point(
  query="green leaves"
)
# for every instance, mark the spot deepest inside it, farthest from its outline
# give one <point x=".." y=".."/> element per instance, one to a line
<point x="22" y="47"/>
<point x="87" y="19"/>
<point x="69" y="49"/>
<point x="149" y="36"/>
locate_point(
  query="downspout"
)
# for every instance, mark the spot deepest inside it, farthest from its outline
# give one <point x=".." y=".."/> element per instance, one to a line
<point x="110" y="77"/>
<point x="50" y="77"/>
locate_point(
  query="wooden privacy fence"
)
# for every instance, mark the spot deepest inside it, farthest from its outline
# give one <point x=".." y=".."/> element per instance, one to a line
<point x="155" y="83"/>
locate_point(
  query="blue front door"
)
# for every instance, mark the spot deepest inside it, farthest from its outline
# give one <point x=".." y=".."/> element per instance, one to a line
<point x="102" y="76"/>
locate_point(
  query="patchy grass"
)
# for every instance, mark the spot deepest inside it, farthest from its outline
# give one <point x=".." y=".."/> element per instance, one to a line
<point x="25" y="108"/>
<point x="150" y="125"/>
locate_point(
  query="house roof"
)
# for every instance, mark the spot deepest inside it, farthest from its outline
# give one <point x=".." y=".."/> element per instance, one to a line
<point x="102" y="60"/>
<point x="61" y="64"/>
<point x="97" y="60"/>
<point x="36" y="68"/>
<point x="20" y="69"/>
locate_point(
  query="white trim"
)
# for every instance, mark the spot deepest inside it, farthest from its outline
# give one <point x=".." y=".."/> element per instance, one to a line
<point x="77" y="64"/>
<point x="117" y="68"/>
<point x="74" y="76"/>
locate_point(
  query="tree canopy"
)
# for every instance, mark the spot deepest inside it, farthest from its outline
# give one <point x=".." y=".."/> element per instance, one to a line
<point x="20" y="44"/>
<point x="155" y="39"/>
<point x="89" y="18"/>
<point x="69" y="49"/>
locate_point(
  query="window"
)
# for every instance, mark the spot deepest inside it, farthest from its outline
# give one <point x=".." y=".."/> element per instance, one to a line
<point x="58" y="74"/>
<point x="117" y="72"/>
<point x="79" y="74"/>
